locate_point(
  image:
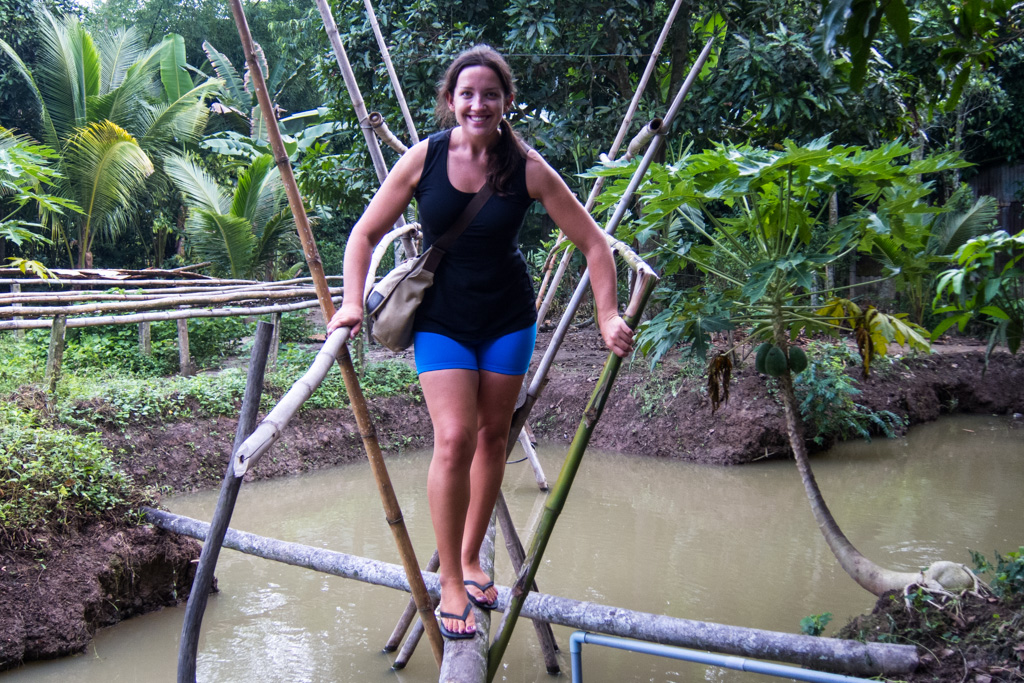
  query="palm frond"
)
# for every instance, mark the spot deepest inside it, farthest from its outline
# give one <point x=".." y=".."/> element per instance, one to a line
<point x="233" y="92"/>
<point x="182" y="120"/>
<point x="200" y="187"/>
<point x="118" y="51"/>
<point x="223" y="239"/>
<point x="255" y="188"/>
<point x="49" y="132"/>
<point x="68" y="69"/>
<point x="953" y="229"/>
<point x="278" y="235"/>
<point x="105" y="167"/>
<point x="127" y="105"/>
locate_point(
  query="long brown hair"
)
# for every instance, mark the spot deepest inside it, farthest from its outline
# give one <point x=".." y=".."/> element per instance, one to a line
<point x="505" y="157"/>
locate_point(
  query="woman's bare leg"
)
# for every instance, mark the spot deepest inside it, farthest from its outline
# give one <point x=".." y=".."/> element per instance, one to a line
<point x="496" y="400"/>
<point x="451" y="397"/>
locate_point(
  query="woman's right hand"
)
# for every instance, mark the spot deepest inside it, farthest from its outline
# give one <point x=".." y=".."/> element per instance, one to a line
<point x="349" y="315"/>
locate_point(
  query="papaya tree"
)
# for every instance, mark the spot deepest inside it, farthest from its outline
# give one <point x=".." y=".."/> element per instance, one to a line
<point x="755" y="223"/>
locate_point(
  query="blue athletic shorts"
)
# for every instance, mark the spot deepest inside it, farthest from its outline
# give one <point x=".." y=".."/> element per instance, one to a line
<point x="507" y="355"/>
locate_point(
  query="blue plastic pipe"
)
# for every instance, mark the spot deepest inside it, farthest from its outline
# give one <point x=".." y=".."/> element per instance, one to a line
<point x="725" y="661"/>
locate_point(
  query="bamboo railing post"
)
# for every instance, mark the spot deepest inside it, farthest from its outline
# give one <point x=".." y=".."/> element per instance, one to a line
<point x="392" y="510"/>
<point x="406" y="620"/>
<point x="275" y="339"/>
<point x="55" y="355"/>
<point x="145" y="339"/>
<point x="203" y="580"/>
<point x="560" y="491"/>
<point x="16" y="289"/>
<point x="184" y="354"/>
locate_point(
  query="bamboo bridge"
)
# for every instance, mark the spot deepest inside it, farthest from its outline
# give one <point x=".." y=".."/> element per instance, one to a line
<point x="473" y="660"/>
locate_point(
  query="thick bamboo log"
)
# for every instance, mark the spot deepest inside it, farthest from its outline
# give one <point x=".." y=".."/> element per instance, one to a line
<point x="465" y="661"/>
<point x="156" y="316"/>
<point x="158" y="303"/>
<point x="67" y="277"/>
<point x="856" y="658"/>
<point x="198" y="596"/>
<point x="380" y="127"/>
<point x="184" y="353"/>
<point x="55" y="354"/>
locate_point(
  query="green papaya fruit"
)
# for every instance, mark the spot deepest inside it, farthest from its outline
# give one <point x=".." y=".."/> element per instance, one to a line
<point x="797" y="359"/>
<point x="775" y="364"/>
<point x="759" y="355"/>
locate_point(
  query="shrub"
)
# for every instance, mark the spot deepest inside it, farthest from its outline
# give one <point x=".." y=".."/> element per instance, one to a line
<point x="52" y="477"/>
<point x="826" y="395"/>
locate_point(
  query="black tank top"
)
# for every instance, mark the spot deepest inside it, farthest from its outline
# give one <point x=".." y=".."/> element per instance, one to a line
<point x="482" y="289"/>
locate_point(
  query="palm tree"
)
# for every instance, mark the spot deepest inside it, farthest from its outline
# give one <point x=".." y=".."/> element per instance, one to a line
<point x="242" y="232"/>
<point x="112" y="108"/>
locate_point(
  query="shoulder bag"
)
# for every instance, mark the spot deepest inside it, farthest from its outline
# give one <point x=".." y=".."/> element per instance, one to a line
<point x="391" y="304"/>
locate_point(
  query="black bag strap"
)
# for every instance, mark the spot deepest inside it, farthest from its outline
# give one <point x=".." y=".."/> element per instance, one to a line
<point x="445" y="241"/>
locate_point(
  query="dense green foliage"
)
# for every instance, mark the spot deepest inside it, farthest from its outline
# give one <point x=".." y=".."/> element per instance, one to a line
<point x="52" y="477"/>
<point x="827" y="398"/>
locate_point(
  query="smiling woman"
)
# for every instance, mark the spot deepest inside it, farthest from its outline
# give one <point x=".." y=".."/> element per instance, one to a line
<point x="474" y="332"/>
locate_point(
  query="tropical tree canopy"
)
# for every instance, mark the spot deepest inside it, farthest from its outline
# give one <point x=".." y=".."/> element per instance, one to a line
<point x="112" y="108"/>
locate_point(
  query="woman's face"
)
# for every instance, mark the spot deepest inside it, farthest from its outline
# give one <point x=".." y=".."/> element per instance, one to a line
<point x="478" y="101"/>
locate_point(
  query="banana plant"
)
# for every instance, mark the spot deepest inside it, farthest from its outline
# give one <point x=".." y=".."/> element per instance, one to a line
<point x="242" y="232"/>
<point x="755" y="223"/>
<point x="111" y="108"/>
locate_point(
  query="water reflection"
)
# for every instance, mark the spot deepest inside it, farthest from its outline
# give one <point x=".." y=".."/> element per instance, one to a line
<point x="732" y="545"/>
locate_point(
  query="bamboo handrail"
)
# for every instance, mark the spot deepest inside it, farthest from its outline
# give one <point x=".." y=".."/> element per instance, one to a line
<point x="646" y="279"/>
<point x="392" y="511"/>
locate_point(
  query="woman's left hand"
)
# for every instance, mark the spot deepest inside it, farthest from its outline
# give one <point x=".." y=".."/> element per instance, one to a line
<point x="617" y="335"/>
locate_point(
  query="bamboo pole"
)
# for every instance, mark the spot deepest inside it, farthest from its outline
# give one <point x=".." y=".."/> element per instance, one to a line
<point x="155" y="316"/>
<point x="406" y="620"/>
<point x="410" y="125"/>
<point x="380" y="127"/>
<point x="560" y="491"/>
<point x="358" y="104"/>
<point x="198" y="596"/>
<point x="55" y="355"/>
<point x="117" y="277"/>
<point x="184" y="353"/>
<point x="141" y="294"/>
<point x="145" y="339"/>
<point x="392" y="510"/>
<point x="863" y="659"/>
<point x="164" y="302"/>
<point x="544" y="302"/>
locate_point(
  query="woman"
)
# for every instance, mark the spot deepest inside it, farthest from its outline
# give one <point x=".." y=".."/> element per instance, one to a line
<point x="475" y="330"/>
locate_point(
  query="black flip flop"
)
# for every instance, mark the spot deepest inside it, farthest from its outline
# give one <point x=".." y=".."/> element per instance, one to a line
<point x="455" y="635"/>
<point x="483" y="589"/>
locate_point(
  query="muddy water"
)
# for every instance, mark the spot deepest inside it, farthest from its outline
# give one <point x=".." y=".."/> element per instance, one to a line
<point x="735" y="545"/>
